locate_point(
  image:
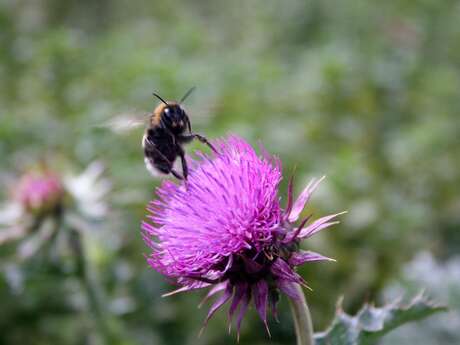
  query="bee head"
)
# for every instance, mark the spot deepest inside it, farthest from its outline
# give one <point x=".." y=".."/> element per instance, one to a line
<point x="174" y="117"/>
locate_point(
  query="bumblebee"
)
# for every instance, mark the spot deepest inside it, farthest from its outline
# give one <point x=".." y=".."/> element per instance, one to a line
<point x="168" y="130"/>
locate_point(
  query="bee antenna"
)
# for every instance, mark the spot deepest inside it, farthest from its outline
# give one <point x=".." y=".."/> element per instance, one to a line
<point x="184" y="97"/>
<point x="159" y="97"/>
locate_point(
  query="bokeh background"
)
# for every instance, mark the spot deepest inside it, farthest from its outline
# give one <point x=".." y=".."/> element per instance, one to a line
<point x="366" y="93"/>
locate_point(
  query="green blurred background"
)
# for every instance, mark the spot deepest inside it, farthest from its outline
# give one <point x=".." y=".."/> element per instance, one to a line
<point x="366" y="93"/>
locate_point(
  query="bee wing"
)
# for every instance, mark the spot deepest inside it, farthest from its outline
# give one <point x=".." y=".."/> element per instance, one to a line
<point x="125" y="122"/>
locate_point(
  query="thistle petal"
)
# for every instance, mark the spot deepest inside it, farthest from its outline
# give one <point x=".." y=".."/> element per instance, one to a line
<point x="184" y="289"/>
<point x="288" y="288"/>
<point x="281" y="270"/>
<point x="219" y="303"/>
<point x="299" y="258"/>
<point x="273" y="301"/>
<point x="217" y="288"/>
<point x="303" y="199"/>
<point x="243" y="308"/>
<point x="291" y="236"/>
<point x="260" y="291"/>
<point x="319" y="225"/>
<point x="241" y="290"/>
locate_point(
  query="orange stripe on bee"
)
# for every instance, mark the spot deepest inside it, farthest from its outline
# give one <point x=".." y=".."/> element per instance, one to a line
<point x="156" y="116"/>
<point x="158" y="112"/>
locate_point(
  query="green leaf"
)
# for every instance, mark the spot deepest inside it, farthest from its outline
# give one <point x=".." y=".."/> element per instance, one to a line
<point x="371" y="323"/>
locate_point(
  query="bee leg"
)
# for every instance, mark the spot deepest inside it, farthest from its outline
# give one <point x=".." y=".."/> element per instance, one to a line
<point x="189" y="126"/>
<point x="204" y="141"/>
<point x="200" y="138"/>
<point x="176" y="174"/>
<point x="184" y="163"/>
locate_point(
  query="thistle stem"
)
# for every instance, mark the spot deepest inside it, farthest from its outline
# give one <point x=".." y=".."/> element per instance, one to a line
<point x="302" y="318"/>
<point x="91" y="288"/>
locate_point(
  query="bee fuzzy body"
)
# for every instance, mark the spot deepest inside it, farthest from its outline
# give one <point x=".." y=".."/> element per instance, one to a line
<point x="169" y="128"/>
<point x="160" y="151"/>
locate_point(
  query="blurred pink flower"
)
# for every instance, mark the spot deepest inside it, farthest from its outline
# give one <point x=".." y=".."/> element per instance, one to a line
<point x="39" y="191"/>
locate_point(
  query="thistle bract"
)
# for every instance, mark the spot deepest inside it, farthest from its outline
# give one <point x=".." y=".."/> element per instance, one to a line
<point x="225" y="229"/>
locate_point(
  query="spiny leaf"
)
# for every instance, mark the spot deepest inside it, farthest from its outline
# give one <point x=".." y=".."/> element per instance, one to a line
<point x="371" y="323"/>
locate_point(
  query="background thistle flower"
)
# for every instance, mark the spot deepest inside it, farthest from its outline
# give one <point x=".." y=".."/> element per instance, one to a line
<point x="39" y="191"/>
<point x="49" y="221"/>
<point x="38" y="194"/>
<point x="225" y="228"/>
<point x="44" y="194"/>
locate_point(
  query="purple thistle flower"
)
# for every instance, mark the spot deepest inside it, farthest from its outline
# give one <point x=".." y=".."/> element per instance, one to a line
<point x="39" y="190"/>
<point x="225" y="229"/>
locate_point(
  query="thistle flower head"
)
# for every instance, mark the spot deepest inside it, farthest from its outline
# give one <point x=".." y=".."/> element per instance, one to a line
<point x="225" y="229"/>
<point x="39" y="191"/>
<point x="43" y="194"/>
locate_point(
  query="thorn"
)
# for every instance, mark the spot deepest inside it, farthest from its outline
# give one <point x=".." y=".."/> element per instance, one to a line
<point x="168" y="294"/>
<point x="268" y="330"/>
<point x="306" y="286"/>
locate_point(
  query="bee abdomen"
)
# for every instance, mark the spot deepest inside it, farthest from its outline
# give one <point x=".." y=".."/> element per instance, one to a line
<point x="151" y="167"/>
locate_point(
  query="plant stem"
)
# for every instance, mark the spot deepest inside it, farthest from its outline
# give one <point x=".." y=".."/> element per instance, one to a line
<point x="302" y="318"/>
<point x="91" y="287"/>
